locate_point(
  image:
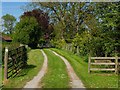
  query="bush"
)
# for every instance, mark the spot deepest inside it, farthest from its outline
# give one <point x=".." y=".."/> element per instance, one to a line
<point x="58" y="43"/>
<point x="86" y="58"/>
<point x="28" y="49"/>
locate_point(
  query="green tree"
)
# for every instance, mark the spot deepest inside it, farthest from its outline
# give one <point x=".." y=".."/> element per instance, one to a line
<point x="109" y="22"/>
<point x="8" y="23"/>
<point x="68" y="17"/>
<point x="28" y="31"/>
<point x="94" y="27"/>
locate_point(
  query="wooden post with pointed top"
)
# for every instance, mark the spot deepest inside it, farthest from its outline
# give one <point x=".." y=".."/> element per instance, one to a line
<point x="116" y="64"/>
<point x="89" y="63"/>
<point x="77" y="49"/>
<point x="5" y="65"/>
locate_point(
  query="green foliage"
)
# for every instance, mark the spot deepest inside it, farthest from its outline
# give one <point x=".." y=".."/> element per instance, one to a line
<point x="76" y="40"/>
<point x="83" y="41"/>
<point x="27" y="31"/>
<point x="67" y="17"/>
<point x="101" y="38"/>
<point x="58" y="43"/>
<point x="42" y="19"/>
<point x="10" y="45"/>
<point x="86" y="58"/>
<point x="58" y="30"/>
<point x="110" y="25"/>
<point x="8" y="23"/>
<point x="94" y="27"/>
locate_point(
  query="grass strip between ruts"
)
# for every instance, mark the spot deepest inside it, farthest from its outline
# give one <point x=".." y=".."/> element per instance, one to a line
<point x="56" y="76"/>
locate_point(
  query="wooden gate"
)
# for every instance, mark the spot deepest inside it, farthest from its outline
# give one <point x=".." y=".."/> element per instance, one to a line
<point x="14" y="60"/>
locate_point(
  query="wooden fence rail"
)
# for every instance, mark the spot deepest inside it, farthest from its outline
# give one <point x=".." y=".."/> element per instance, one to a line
<point x="106" y="61"/>
<point x="14" y="61"/>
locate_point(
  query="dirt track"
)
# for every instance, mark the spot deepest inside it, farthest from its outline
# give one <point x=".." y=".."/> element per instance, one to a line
<point x="34" y="83"/>
<point x="75" y="81"/>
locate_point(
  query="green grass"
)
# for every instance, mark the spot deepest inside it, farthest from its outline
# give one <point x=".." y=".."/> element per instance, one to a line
<point x="56" y="76"/>
<point x="0" y="76"/>
<point x="93" y="80"/>
<point x="35" y="61"/>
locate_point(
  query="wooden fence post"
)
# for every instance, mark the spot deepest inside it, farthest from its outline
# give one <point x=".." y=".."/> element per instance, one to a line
<point x="77" y="49"/>
<point x="116" y="64"/>
<point x="89" y="62"/>
<point x="5" y="65"/>
<point x="71" y="48"/>
<point x="66" y="47"/>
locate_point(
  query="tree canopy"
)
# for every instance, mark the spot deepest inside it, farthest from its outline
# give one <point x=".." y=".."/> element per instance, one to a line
<point x="8" y="23"/>
<point x="94" y="27"/>
<point x="27" y="31"/>
<point x="32" y="27"/>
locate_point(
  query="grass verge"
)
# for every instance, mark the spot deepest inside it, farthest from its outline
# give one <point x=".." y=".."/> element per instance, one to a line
<point x="94" y="80"/>
<point x="56" y="76"/>
<point x="35" y="61"/>
<point x="0" y="75"/>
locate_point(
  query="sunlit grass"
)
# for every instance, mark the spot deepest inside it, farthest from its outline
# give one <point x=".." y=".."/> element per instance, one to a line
<point x="35" y="61"/>
<point x="0" y="76"/>
<point x="93" y="80"/>
<point x="56" y="76"/>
